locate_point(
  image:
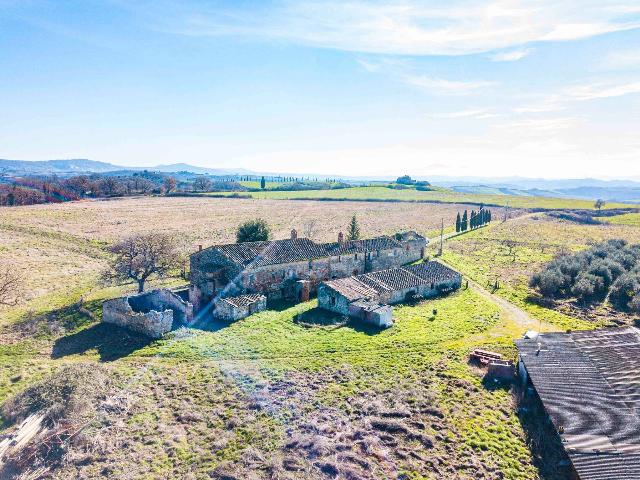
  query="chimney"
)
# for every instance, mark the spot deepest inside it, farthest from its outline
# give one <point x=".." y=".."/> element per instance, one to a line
<point x="294" y="234"/>
<point x="341" y="237"/>
<point x="199" y="248"/>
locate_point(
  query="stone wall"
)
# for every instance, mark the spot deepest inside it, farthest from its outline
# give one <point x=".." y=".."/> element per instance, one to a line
<point x="151" y="313"/>
<point x="380" y="316"/>
<point x="212" y="274"/>
<point x="231" y="313"/>
<point x="331" y="300"/>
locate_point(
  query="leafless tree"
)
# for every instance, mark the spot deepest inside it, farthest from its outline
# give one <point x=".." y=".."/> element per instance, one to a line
<point x="309" y="228"/>
<point x="202" y="184"/>
<point x="10" y="282"/>
<point x="139" y="257"/>
<point x="169" y="184"/>
<point x="512" y="247"/>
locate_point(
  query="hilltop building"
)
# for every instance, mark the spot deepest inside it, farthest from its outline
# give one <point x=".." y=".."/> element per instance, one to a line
<point x="588" y="383"/>
<point x="292" y="268"/>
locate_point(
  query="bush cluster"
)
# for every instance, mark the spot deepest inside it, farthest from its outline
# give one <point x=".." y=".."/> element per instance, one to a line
<point x="611" y="268"/>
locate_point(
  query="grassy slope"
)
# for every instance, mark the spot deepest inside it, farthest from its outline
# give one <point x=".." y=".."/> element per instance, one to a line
<point x="259" y="383"/>
<point x="484" y="255"/>
<point x="437" y="195"/>
<point x="632" y="219"/>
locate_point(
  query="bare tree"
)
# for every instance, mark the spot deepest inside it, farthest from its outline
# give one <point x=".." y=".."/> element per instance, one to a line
<point x="10" y="283"/>
<point x="599" y="204"/>
<point x="169" y="184"/>
<point x="202" y="184"/>
<point x="309" y="228"/>
<point x="139" y="257"/>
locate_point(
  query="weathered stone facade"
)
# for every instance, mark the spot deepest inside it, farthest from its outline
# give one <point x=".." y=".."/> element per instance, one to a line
<point x="275" y="268"/>
<point x="236" y="308"/>
<point x="151" y="313"/>
<point x="388" y="287"/>
<point x="380" y="316"/>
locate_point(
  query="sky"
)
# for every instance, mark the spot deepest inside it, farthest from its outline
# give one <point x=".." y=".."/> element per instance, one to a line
<point x="537" y="88"/>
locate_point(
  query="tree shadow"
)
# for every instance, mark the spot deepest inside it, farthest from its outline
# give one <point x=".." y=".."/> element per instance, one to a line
<point x="110" y="341"/>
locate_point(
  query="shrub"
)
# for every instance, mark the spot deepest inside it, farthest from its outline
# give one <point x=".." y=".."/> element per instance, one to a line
<point x="549" y="282"/>
<point x="624" y="289"/>
<point x="610" y="267"/>
<point x="587" y="286"/>
<point x="253" y="231"/>
<point x="634" y="304"/>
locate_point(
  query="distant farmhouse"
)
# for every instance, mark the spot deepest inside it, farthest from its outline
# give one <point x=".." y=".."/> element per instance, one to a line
<point x="367" y="297"/>
<point x="589" y="385"/>
<point x="292" y="268"/>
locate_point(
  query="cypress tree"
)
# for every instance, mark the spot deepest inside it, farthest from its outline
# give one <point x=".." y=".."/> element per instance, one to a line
<point x="353" y="231"/>
<point x="458" y="223"/>
<point x="464" y="221"/>
<point x="263" y="183"/>
<point x="472" y="220"/>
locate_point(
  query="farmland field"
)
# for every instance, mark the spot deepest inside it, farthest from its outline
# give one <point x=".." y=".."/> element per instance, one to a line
<point x="436" y="195"/>
<point x="266" y="397"/>
<point x="60" y="249"/>
<point x="510" y="252"/>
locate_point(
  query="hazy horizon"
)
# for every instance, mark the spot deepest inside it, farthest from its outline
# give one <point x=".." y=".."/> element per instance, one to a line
<point x="460" y="89"/>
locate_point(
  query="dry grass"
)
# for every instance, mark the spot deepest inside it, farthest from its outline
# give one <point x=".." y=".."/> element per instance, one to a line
<point x="59" y="249"/>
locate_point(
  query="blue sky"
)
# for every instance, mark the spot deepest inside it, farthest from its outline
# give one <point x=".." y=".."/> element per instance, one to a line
<point x="498" y="88"/>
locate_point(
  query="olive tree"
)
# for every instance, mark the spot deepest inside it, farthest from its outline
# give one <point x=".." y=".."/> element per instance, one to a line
<point x="139" y="257"/>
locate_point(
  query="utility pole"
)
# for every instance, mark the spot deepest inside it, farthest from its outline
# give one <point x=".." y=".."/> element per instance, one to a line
<point x="441" y="237"/>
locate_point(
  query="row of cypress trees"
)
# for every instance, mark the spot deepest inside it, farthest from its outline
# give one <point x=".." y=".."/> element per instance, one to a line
<point x="475" y="220"/>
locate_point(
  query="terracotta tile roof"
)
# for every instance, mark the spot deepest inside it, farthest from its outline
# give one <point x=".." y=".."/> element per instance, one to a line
<point x="258" y="254"/>
<point x="370" y="285"/>
<point x="242" y="300"/>
<point x="589" y="383"/>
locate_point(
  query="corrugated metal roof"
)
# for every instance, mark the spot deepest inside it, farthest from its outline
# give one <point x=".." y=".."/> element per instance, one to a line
<point x="589" y="383"/>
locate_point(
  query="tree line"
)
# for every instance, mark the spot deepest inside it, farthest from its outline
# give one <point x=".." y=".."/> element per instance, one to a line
<point x="473" y="221"/>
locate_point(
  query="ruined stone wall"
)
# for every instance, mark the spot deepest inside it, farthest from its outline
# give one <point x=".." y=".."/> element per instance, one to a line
<point x="151" y="313"/>
<point x="152" y="324"/>
<point x="229" y="313"/>
<point x="333" y="301"/>
<point x="277" y="281"/>
<point x="397" y="257"/>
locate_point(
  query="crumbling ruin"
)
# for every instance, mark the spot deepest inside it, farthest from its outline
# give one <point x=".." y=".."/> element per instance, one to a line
<point x="152" y="313"/>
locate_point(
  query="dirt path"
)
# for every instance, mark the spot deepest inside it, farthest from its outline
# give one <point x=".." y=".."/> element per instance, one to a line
<point x="511" y="311"/>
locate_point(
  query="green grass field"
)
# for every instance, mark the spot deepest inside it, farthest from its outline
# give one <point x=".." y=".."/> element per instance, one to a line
<point x="437" y="195"/>
<point x="269" y="392"/>
<point x="632" y="219"/>
<point x="510" y="252"/>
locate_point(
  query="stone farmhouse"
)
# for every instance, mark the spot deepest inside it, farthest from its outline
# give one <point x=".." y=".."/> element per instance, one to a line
<point x="292" y="268"/>
<point x="365" y="296"/>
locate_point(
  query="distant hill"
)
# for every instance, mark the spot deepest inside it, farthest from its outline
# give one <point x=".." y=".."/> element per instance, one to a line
<point x="75" y="165"/>
<point x="83" y="165"/>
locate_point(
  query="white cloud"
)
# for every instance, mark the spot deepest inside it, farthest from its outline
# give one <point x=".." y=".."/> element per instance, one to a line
<point x="622" y="60"/>
<point x="397" y="27"/>
<point x="510" y="55"/>
<point x="443" y="86"/>
<point x="470" y="113"/>
<point x="593" y="92"/>
<point x="578" y="93"/>
<point x="412" y="74"/>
